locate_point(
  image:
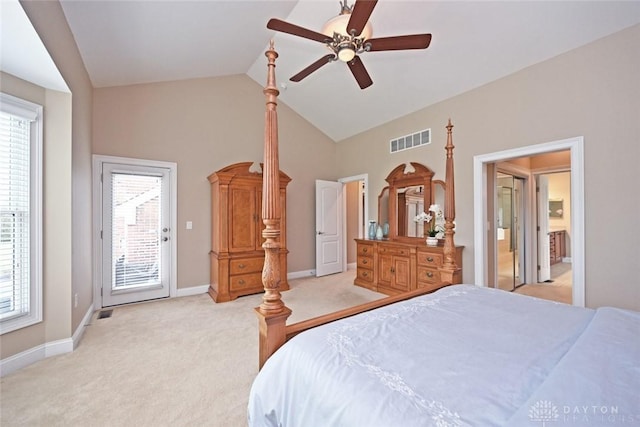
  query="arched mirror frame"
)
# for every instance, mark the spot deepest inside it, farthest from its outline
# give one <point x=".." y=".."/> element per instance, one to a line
<point x="398" y="179"/>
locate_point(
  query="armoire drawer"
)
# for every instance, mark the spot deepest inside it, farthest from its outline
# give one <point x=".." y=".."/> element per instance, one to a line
<point x="246" y="265"/>
<point x="245" y="281"/>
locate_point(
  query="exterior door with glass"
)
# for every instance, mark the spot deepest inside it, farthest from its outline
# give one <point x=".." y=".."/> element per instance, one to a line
<point x="136" y="233"/>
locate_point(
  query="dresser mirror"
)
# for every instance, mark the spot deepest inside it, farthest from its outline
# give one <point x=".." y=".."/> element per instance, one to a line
<point x="410" y="191"/>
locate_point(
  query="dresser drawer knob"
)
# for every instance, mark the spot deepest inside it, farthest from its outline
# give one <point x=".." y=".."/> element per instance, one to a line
<point x="241" y="282"/>
<point x="364" y="250"/>
<point x="364" y="261"/>
<point x="365" y="274"/>
<point x="430" y="259"/>
<point x="241" y="266"/>
<point x="429" y="274"/>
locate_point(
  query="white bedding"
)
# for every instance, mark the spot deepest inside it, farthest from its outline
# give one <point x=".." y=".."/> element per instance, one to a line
<point x="461" y="356"/>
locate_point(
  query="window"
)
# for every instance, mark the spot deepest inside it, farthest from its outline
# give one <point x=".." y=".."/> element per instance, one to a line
<point x="20" y="213"/>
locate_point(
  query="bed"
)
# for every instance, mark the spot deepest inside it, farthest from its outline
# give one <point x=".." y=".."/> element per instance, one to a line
<point x="462" y="355"/>
<point x="481" y="357"/>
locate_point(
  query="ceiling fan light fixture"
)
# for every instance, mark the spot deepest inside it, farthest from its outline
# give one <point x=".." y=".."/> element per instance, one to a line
<point x="338" y="24"/>
<point x="346" y="53"/>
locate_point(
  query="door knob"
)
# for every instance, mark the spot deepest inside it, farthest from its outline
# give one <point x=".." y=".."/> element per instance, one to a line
<point x="320" y="232"/>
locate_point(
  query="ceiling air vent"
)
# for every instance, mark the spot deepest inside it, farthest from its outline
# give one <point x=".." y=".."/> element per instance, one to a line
<point x="417" y="139"/>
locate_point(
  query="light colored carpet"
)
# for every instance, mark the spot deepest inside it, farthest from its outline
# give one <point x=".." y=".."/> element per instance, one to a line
<point x="559" y="290"/>
<point x="181" y="362"/>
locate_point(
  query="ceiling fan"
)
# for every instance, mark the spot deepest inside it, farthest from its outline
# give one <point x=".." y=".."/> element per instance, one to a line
<point x="347" y="36"/>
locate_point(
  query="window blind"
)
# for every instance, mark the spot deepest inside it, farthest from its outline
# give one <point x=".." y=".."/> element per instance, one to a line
<point x="136" y="222"/>
<point x="15" y="233"/>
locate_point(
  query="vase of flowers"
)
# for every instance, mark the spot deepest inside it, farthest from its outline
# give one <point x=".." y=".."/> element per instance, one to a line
<point x="435" y="218"/>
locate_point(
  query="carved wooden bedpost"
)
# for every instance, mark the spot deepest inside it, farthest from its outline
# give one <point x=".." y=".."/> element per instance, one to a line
<point x="450" y="272"/>
<point x="272" y="313"/>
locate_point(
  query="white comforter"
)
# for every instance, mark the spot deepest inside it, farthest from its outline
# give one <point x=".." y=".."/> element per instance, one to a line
<point x="461" y="356"/>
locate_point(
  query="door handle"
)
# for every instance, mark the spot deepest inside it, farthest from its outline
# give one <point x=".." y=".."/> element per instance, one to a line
<point x="320" y="232"/>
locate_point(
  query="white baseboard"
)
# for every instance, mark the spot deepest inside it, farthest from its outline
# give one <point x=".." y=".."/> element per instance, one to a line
<point x="300" y="274"/>
<point x="77" y="335"/>
<point x="42" y="351"/>
<point x="567" y="260"/>
<point x="192" y="290"/>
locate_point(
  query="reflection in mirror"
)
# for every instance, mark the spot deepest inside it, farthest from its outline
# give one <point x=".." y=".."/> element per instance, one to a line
<point x="437" y="193"/>
<point x="383" y="207"/>
<point x="413" y="198"/>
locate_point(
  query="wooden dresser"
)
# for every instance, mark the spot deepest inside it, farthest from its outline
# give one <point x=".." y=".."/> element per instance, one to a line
<point x="557" y="246"/>
<point x="395" y="266"/>
<point x="236" y="252"/>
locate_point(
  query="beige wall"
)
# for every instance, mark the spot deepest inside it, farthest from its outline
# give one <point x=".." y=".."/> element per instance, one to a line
<point x="56" y="271"/>
<point x="67" y="188"/>
<point x="49" y="21"/>
<point x="204" y="125"/>
<point x="593" y="92"/>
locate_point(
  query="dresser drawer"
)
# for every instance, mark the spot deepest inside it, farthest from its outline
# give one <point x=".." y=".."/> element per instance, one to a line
<point x="430" y="259"/>
<point x="393" y="250"/>
<point x="365" y="262"/>
<point x="365" y="250"/>
<point x="365" y="275"/>
<point x="427" y="275"/>
<point x="246" y="265"/>
<point x="245" y="281"/>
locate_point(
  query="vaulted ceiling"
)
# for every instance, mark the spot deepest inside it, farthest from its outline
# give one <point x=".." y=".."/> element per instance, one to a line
<point x="474" y="42"/>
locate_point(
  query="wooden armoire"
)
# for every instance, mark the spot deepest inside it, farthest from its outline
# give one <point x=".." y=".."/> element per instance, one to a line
<point x="236" y="253"/>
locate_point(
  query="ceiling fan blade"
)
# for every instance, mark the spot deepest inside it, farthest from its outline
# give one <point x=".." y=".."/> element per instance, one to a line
<point x="285" y="27"/>
<point x="313" y="67"/>
<point x="415" y="41"/>
<point x="360" y="73"/>
<point x="360" y="15"/>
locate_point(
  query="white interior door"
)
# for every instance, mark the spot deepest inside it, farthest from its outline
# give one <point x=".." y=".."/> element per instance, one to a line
<point x="329" y="227"/>
<point x="136" y="233"/>
<point x="544" y="261"/>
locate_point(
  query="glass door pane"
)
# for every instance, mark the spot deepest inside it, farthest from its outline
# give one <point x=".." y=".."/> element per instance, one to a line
<point x="136" y="222"/>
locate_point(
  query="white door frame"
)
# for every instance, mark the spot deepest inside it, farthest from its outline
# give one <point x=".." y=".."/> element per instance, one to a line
<point x="362" y="232"/>
<point x="544" y="273"/>
<point x="98" y="161"/>
<point x="482" y="223"/>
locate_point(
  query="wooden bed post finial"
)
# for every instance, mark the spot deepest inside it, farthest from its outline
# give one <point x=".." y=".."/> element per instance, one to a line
<point x="272" y="313"/>
<point x="449" y="272"/>
<point x="271" y="301"/>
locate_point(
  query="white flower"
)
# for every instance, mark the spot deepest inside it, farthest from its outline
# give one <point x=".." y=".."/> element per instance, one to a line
<point x="423" y="217"/>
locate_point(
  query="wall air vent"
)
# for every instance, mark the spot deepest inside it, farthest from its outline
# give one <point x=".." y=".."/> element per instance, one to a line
<point x="417" y="139"/>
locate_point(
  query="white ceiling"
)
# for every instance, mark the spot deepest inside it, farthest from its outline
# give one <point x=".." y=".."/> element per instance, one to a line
<point x="474" y="42"/>
<point x="17" y="36"/>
